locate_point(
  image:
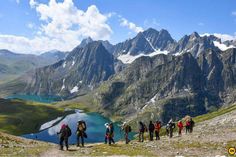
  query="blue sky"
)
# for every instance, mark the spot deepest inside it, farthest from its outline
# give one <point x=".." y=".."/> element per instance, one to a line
<point x="26" y="25"/>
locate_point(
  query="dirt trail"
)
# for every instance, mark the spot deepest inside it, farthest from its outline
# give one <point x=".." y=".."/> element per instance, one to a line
<point x="73" y="151"/>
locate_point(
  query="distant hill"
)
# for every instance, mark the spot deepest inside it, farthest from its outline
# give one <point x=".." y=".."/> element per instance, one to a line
<point x="12" y="65"/>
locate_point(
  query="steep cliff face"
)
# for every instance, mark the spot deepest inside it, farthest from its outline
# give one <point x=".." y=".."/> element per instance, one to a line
<point x="228" y="76"/>
<point x="82" y="69"/>
<point x="144" y="43"/>
<point x="171" y="86"/>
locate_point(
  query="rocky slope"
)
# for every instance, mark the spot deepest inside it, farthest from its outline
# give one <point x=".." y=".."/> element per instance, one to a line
<point x="81" y="70"/>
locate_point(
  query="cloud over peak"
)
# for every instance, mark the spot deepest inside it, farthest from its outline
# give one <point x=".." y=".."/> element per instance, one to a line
<point x="125" y="23"/>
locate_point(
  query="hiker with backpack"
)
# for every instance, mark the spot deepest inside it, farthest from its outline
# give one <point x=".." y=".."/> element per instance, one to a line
<point x="157" y="129"/>
<point x="107" y="132"/>
<point x="81" y="134"/>
<point x="127" y="129"/>
<point x="64" y="134"/>
<point x="151" y="128"/>
<point x="141" y="131"/>
<point x="111" y="134"/>
<point x="167" y="129"/>
<point x="180" y="126"/>
<point x="191" y="125"/>
<point x="171" y="125"/>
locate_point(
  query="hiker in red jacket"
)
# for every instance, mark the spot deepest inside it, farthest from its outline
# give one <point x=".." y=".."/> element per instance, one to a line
<point x="157" y="129"/>
<point x="180" y="126"/>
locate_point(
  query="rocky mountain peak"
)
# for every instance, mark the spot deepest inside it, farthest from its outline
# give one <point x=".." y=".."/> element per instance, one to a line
<point x="150" y="31"/>
<point x="85" y="41"/>
<point x="194" y="35"/>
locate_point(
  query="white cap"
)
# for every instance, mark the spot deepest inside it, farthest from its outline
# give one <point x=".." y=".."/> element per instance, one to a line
<point x="106" y="124"/>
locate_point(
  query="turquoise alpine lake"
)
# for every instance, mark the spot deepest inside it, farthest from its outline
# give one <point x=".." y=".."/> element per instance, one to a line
<point x="95" y="128"/>
<point x="37" y="98"/>
<point x="48" y="131"/>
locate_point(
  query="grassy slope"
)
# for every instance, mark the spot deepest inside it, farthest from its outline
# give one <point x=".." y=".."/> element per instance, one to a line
<point x="20" y="117"/>
<point x="214" y="114"/>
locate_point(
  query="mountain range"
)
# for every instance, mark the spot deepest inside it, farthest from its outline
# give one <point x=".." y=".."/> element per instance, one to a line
<point x="150" y="75"/>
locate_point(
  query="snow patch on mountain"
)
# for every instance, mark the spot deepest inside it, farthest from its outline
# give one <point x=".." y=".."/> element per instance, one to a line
<point x="74" y="89"/>
<point x="222" y="46"/>
<point x="64" y="65"/>
<point x="63" y="85"/>
<point x="128" y="58"/>
<point x="151" y="44"/>
<point x="73" y="63"/>
<point x="152" y="100"/>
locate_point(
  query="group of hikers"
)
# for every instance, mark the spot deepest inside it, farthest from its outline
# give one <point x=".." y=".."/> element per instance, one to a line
<point x="152" y="129"/>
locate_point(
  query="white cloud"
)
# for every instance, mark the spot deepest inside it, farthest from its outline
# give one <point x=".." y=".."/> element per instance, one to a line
<point x="33" y="3"/>
<point x="36" y="45"/>
<point x="18" y="1"/>
<point x="63" y="27"/>
<point x="124" y="22"/>
<point x="68" y="22"/>
<point x="223" y="37"/>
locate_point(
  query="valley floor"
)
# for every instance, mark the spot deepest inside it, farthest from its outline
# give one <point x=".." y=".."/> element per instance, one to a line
<point x="210" y="138"/>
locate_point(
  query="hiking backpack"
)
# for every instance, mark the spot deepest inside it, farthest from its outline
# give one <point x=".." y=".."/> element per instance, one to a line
<point x="69" y="132"/>
<point x="145" y="128"/>
<point x="83" y="125"/>
<point x="129" y="128"/>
